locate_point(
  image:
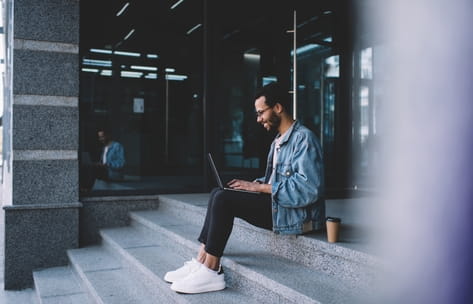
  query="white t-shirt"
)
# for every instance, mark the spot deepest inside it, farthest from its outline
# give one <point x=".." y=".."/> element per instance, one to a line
<point x="277" y="147"/>
<point x="104" y="156"/>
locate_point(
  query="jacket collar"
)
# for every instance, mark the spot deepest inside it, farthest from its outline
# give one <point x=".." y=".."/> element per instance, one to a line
<point x="288" y="134"/>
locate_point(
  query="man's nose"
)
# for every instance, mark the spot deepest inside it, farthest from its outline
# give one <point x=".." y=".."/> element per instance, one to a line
<point x="258" y="119"/>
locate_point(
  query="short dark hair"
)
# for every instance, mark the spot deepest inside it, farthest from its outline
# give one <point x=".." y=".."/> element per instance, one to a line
<point x="274" y="94"/>
<point x="105" y="130"/>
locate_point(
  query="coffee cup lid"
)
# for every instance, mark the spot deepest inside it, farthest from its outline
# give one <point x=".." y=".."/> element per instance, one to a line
<point x="333" y="219"/>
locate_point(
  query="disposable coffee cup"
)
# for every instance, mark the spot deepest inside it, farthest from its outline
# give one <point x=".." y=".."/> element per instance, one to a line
<point x="333" y="229"/>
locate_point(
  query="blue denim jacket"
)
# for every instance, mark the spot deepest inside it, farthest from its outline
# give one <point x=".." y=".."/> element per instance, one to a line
<point x="298" y="184"/>
<point x="115" y="160"/>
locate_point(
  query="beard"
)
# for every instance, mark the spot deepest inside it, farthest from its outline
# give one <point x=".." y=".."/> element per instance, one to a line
<point x="274" y="122"/>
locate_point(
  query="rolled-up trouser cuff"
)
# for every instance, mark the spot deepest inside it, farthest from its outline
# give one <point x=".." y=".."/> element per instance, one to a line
<point x="213" y="251"/>
<point x="202" y="240"/>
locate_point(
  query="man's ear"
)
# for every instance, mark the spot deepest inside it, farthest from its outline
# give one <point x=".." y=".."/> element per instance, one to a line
<point x="278" y="108"/>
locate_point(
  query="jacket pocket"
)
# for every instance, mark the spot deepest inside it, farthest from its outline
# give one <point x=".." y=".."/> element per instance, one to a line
<point x="284" y="171"/>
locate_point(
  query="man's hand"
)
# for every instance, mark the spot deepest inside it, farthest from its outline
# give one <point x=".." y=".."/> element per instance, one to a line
<point x="250" y="186"/>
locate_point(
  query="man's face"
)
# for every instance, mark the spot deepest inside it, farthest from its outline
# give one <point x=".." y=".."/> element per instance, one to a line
<point x="102" y="137"/>
<point x="265" y="115"/>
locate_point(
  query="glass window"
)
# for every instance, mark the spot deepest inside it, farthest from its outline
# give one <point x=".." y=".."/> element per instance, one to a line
<point x="141" y="84"/>
<point x="144" y="73"/>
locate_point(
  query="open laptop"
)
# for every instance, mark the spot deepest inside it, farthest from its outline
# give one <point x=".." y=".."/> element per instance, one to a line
<point x="219" y="180"/>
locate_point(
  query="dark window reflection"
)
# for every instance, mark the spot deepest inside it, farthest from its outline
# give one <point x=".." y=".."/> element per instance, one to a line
<point x="141" y="79"/>
<point x="144" y="74"/>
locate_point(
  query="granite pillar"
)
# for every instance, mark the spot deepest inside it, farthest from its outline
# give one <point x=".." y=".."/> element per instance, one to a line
<point x="40" y="177"/>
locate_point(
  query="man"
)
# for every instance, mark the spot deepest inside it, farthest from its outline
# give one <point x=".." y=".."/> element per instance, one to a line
<point x="290" y="199"/>
<point x="113" y="157"/>
<point x="109" y="167"/>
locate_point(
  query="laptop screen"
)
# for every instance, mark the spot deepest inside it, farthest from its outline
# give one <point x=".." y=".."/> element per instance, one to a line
<point x="215" y="171"/>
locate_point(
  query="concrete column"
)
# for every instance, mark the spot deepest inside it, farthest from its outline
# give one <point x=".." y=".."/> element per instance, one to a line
<point x="40" y="189"/>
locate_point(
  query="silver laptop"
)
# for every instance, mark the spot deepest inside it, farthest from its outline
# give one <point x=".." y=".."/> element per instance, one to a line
<point x="219" y="180"/>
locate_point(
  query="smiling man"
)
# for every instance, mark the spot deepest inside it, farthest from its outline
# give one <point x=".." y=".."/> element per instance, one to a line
<point x="289" y="198"/>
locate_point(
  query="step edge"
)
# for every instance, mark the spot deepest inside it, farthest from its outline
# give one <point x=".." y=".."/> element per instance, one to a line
<point x="88" y="286"/>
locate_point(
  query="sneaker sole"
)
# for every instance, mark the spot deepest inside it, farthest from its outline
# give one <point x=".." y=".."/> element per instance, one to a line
<point x="209" y="288"/>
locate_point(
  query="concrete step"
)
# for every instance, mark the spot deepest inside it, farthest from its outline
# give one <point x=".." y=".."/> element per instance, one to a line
<point x="24" y="296"/>
<point x="260" y="266"/>
<point x="250" y="269"/>
<point x="355" y="267"/>
<point x="151" y="256"/>
<point x="107" y="280"/>
<point x="59" y="285"/>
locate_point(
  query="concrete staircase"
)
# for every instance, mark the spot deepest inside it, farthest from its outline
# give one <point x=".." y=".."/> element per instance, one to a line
<point x="260" y="267"/>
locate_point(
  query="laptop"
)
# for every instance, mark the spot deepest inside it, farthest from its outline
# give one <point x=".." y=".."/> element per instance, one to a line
<point x="219" y="180"/>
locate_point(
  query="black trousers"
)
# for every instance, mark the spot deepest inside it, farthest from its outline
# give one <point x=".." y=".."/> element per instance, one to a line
<point x="222" y="209"/>
<point x="89" y="173"/>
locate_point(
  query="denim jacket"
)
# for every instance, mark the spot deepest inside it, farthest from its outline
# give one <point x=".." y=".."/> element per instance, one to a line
<point x="298" y="203"/>
<point x="115" y="160"/>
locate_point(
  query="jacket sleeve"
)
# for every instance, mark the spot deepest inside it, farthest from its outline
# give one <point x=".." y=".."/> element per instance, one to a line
<point x="116" y="157"/>
<point x="259" y="179"/>
<point x="302" y="179"/>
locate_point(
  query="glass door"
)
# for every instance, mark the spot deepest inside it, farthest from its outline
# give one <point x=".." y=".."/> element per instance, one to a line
<point x="315" y="74"/>
<point x="292" y="43"/>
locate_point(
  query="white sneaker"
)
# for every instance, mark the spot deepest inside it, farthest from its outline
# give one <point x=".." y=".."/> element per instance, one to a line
<point x="201" y="280"/>
<point x="182" y="272"/>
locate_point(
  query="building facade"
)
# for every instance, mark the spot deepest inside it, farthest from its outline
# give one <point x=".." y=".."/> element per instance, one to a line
<point x="171" y="81"/>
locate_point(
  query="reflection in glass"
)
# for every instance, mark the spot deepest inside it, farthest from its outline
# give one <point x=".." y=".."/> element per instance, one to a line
<point x="145" y="87"/>
<point x="366" y="137"/>
<point x="332" y="66"/>
<point x="367" y="63"/>
<point x="365" y="113"/>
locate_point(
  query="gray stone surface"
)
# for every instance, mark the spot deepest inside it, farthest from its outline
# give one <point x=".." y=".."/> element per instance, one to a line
<point x="356" y="243"/>
<point x="56" y="281"/>
<point x="134" y="259"/>
<point x="107" y="280"/>
<point x="45" y="182"/>
<point x="116" y="287"/>
<point x="260" y="272"/>
<point x="45" y="62"/>
<point x="93" y="258"/>
<point x="98" y="213"/>
<point x="37" y="239"/>
<point x="49" y="20"/>
<point x="154" y="256"/>
<point x="45" y="73"/>
<point x="80" y="298"/>
<point x="45" y="128"/>
<point x="25" y="296"/>
<point x="11" y="296"/>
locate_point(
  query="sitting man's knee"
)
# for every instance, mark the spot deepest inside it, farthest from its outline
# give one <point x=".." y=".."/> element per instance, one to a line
<point x="220" y="198"/>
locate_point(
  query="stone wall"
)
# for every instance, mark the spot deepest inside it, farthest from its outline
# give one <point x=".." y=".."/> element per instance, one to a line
<point x="40" y="186"/>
